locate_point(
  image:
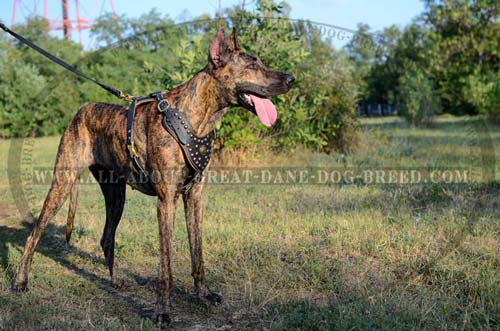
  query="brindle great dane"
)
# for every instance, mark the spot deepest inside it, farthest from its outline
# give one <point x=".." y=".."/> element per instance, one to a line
<point x="96" y="138"/>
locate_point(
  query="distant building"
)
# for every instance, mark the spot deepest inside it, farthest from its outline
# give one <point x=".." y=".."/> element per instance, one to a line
<point x="376" y="110"/>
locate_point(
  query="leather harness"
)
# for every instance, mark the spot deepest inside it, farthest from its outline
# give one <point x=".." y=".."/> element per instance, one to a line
<point x="196" y="150"/>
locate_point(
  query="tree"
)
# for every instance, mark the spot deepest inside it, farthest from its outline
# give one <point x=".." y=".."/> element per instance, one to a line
<point x="362" y="53"/>
<point x="417" y="100"/>
<point x="16" y="113"/>
<point x="466" y="51"/>
<point x="382" y="79"/>
<point x="319" y="112"/>
<point x="394" y="67"/>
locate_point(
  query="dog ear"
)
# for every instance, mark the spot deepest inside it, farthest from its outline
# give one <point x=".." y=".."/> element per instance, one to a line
<point x="218" y="51"/>
<point x="233" y="40"/>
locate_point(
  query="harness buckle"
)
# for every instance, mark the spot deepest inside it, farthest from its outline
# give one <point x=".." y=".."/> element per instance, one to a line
<point x="163" y="104"/>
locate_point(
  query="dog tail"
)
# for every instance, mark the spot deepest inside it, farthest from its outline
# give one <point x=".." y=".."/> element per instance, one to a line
<point x="73" y="203"/>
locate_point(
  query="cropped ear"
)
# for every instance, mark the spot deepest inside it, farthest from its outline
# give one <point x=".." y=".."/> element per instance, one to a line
<point x="218" y="51"/>
<point x="233" y="40"/>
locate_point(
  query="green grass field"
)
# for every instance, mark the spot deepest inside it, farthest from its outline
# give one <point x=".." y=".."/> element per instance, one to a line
<point x="285" y="257"/>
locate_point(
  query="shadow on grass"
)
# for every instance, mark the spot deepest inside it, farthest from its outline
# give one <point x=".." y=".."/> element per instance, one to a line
<point x="53" y="245"/>
<point x="354" y="313"/>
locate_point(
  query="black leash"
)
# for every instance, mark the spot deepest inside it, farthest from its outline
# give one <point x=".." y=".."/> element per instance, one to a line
<point x="65" y="65"/>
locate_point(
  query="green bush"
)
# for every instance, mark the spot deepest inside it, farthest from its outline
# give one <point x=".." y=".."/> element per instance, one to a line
<point x="417" y="101"/>
<point x="20" y="83"/>
<point x="483" y="91"/>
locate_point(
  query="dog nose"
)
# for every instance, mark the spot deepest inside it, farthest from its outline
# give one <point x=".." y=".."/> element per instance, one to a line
<point x="289" y="80"/>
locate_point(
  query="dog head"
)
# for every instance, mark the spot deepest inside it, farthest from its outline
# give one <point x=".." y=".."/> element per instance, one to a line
<point x="246" y="80"/>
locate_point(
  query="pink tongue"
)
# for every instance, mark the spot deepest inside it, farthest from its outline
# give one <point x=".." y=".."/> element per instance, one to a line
<point x="265" y="109"/>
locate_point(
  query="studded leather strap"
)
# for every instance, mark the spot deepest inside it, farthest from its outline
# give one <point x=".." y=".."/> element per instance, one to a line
<point x="196" y="149"/>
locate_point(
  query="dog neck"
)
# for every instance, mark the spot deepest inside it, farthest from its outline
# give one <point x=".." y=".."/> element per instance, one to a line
<point x="202" y="99"/>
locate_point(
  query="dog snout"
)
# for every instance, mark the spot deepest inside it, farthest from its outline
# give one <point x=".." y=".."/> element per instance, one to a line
<point x="289" y="80"/>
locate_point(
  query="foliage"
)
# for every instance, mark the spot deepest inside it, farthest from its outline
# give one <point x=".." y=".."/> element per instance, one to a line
<point x="453" y="49"/>
<point x="319" y="111"/>
<point x="18" y="78"/>
<point x="455" y="43"/>
<point x="466" y="50"/>
<point x="35" y="97"/>
<point x="483" y="91"/>
<point x="388" y="73"/>
<point x="152" y="53"/>
<point x="361" y="52"/>
<point x="417" y="100"/>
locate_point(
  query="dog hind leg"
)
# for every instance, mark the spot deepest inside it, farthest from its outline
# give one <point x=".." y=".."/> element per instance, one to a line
<point x="73" y="203"/>
<point x="114" y="197"/>
<point x="73" y="156"/>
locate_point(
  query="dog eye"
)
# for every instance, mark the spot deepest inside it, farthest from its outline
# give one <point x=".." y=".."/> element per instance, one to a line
<point x="252" y="66"/>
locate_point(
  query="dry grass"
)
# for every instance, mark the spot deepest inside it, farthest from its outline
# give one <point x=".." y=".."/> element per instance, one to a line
<point x="292" y="257"/>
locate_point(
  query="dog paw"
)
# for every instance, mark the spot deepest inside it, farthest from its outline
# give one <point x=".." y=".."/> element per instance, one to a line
<point x="19" y="287"/>
<point x="208" y="297"/>
<point x="162" y="320"/>
<point x="212" y="298"/>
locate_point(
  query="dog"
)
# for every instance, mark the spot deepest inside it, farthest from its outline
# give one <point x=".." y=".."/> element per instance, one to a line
<point x="96" y="139"/>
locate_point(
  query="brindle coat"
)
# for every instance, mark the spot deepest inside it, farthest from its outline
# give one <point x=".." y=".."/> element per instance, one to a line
<point x="96" y="138"/>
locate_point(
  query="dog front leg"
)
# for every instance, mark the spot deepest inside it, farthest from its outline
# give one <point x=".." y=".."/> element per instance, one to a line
<point x="193" y="207"/>
<point x="166" y="215"/>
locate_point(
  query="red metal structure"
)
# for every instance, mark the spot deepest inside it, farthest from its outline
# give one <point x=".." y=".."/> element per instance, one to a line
<point x="73" y="18"/>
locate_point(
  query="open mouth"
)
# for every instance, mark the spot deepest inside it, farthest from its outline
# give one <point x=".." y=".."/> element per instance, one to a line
<point x="263" y="107"/>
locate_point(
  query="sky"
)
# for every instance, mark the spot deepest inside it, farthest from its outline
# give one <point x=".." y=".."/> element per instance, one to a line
<point x="344" y="13"/>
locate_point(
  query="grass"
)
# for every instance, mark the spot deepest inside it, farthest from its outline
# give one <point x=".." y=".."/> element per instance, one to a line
<point x="290" y="257"/>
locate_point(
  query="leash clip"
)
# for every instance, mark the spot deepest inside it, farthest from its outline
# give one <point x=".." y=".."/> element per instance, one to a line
<point x="194" y="180"/>
<point x="131" y="151"/>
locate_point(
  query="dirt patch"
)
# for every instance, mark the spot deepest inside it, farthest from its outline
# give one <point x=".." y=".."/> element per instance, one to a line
<point x="5" y="211"/>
